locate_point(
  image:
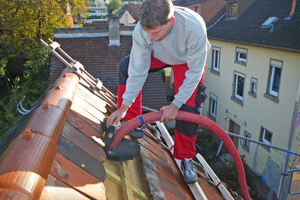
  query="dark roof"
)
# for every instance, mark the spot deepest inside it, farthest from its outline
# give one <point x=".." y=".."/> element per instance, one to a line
<point x="100" y="60"/>
<point x="247" y="28"/>
<point x="187" y="2"/>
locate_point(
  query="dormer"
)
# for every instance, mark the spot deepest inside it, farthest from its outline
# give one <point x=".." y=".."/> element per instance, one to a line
<point x="236" y="8"/>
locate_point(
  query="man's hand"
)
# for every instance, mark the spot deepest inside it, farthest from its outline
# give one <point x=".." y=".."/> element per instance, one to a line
<point x="169" y="113"/>
<point x="116" y="116"/>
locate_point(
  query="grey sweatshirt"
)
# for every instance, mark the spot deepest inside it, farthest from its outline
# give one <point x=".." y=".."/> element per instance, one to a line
<point x="186" y="43"/>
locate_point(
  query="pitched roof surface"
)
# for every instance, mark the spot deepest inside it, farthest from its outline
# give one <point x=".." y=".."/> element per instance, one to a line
<point x="57" y="153"/>
<point x="212" y="10"/>
<point x="248" y="27"/>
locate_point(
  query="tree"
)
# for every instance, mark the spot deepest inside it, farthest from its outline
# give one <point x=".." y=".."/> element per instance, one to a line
<point x="114" y="5"/>
<point x="24" y="23"/>
<point x="31" y="85"/>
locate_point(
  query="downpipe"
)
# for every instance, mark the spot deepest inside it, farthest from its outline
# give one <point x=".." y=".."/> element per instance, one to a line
<point x="193" y="118"/>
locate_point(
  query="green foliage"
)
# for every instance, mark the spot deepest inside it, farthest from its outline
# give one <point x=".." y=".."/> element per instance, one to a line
<point x="24" y="23"/>
<point x="89" y="3"/>
<point x="163" y="74"/>
<point x="114" y="5"/>
<point x="232" y="178"/>
<point x="207" y="143"/>
<point x="32" y="85"/>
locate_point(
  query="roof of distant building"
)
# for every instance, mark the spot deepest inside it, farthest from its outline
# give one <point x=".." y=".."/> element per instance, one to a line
<point x="282" y="34"/>
<point x="133" y="9"/>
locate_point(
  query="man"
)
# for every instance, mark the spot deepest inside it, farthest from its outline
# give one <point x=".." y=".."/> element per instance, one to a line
<point x="166" y="36"/>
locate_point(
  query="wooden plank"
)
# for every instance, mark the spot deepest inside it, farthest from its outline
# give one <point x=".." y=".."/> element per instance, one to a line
<point x="81" y="158"/>
<point x="85" y="116"/>
<point x="88" y="96"/>
<point x="83" y="142"/>
<point x="90" y="131"/>
<point x="88" y="107"/>
<point x="117" y="180"/>
<point x="55" y="189"/>
<point x="72" y="175"/>
<point x="126" y="182"/>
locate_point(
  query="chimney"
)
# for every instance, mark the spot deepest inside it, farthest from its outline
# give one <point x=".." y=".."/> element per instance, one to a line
<point x="114" y="31"/>
<point x="69" y="14"/>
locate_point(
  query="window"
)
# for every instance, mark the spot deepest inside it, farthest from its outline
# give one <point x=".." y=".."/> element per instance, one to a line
<point x="232" y="9"/>
<point x="212" y="113"/>
<point x="266" y="136"/>
<point x="241" y="56"/>
<point x="273" y="85"/>
<point x="216" y="59"/>
<point x="213" y="106"/>
<point x="274" y="80"/>
<point x="238" y="86"/>
<point x="197" y="10"/>
<point x="246" y="143"/>
<point x="253" y="87"/>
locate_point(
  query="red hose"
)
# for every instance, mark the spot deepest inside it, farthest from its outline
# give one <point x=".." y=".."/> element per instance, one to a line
<point x="197" y="119"/>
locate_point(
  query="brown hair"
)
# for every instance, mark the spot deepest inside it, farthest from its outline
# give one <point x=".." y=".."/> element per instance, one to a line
<point x="155" y="12"/>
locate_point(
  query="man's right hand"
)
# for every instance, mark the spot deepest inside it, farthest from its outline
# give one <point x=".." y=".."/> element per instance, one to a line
<point x="116" y="116"/>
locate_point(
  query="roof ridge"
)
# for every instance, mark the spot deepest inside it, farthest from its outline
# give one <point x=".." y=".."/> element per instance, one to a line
<point x="28" y="158"/>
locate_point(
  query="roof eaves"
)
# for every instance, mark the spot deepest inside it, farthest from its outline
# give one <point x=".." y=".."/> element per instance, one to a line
<point x="256" y="44"/>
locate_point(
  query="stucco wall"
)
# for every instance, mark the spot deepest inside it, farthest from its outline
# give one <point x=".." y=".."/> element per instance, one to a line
<point x="258" y="111"/>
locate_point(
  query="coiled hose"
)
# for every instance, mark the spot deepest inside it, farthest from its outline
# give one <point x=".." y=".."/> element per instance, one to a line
<point x="194" y="118"/>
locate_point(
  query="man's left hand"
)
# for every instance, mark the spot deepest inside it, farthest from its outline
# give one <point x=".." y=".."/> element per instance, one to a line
<point x="169" y="113"/>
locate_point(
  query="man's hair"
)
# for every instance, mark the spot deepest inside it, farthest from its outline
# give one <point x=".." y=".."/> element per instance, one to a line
<point x="155" y="12"/>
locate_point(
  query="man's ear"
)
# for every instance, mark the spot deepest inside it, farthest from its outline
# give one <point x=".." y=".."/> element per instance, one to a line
<point x="172" y="20"/>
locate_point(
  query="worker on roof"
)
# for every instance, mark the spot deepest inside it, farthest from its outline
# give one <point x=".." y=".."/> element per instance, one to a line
<point x="166" y="36"/>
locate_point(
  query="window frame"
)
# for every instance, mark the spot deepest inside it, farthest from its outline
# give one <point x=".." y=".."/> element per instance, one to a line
<point x="270" y="93"/>
<point x="238" y="59"/>
<point x="272" y="79"/>
<point x="263" y="139"/>
<point x="216" y="66"/>
<point x="213" y="106"/>
<point x="235" y="86"/>
<point x="230" y="15"/>
<point x="251" y="90"/>
<point x="246" y="143"/>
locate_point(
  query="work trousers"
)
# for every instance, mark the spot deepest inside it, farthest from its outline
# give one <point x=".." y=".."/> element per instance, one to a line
<point x="185" y="132"/>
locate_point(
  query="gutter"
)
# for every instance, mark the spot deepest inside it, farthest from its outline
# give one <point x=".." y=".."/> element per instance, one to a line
<point x="259" y="45"/>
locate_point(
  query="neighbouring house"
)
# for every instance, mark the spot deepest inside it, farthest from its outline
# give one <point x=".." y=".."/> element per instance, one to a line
<point x="129" y="14"/>
<point x="96" y="14"/>
<point x="252" y="81"/>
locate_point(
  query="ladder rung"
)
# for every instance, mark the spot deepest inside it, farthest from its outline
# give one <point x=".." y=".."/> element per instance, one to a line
<point x="77" y="66"/>
<point x="54" y="45"/>
<point x="99" y="84"/>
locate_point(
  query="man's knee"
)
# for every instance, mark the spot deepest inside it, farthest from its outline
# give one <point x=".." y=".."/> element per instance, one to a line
<point x="123" y="70"/>
<point x="188" y="129"/>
